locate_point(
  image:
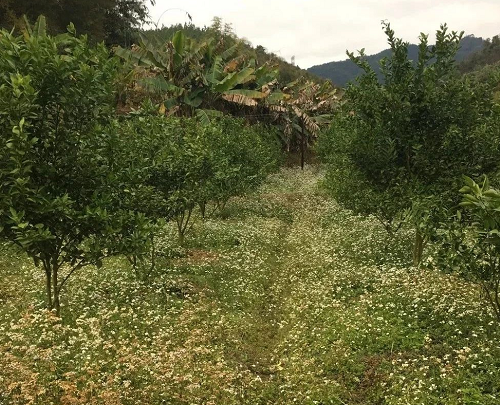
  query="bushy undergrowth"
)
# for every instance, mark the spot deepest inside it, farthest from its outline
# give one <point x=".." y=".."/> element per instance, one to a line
<point x="285" y="299"/>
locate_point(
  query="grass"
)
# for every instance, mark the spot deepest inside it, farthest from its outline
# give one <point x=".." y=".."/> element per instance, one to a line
<point x="284" y="298"/>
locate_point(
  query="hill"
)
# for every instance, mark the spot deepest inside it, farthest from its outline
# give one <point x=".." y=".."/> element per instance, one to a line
<point x="342" y="72"/>
<point x="484" y="66"/>
<point x="488" y="55"/>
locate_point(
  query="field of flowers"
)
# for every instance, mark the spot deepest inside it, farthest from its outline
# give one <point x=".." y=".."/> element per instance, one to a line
<point x="283" y="298"/>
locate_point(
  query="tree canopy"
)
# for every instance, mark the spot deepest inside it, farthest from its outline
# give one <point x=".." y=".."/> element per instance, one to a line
<point x="112" y="21"/>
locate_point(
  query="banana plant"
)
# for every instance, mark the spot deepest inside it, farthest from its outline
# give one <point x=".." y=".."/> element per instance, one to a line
<point x="303" y="108"/>
<point x="198" y="78"/>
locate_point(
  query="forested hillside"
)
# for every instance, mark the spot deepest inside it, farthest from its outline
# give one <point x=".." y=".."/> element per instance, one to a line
<point x="342" y="72"/>
<point x="112" y="21"/>
<point x="489" y="54"/>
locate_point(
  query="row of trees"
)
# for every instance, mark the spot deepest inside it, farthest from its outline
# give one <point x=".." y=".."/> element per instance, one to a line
<point x="398" y="148"/>
<point x="79" y="183"/>
<point x="214" y="75"/>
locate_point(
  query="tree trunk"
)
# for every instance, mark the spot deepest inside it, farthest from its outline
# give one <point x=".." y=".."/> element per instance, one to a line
<point x="183" y="222"/>
<point x="203" y="209"/>
<point x="48" y="288"/>
<point x="492" y="297"/>
<point x="55" y="288"/>
<point x="418" y="248"/>
<point x="133" y="262"/>
<point x="153" y="255"/>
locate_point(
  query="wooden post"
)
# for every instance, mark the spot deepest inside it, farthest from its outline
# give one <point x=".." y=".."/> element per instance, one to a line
<point x="302" y="145"/>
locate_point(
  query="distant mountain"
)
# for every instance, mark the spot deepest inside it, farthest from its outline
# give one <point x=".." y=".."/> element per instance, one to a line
<point x="340" y="73"/>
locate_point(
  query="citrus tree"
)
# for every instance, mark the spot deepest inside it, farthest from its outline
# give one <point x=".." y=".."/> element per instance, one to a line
<point x="397" y="144"/>
<point x="56" y="194"/>
<point x="473" y="241"/>
<point x="240" y="155"/>
<point x="180" y="164"/>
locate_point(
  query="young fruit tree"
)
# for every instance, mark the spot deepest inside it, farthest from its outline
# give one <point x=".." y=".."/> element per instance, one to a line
<point x="399" y="142"/>
<point x="56" y="194"/>
<point x="181" y="164"/>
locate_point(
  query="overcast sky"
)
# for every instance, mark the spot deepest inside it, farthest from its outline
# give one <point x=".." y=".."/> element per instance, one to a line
<point x="319" y="31"/>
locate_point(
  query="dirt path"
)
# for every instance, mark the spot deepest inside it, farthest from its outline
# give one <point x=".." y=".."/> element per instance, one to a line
<point x="262" y="337"/>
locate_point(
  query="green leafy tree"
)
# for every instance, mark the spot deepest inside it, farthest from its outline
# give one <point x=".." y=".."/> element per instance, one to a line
<point x="473" y="241"/>
<point x="56" y="197"/>
<point x="173" y="165"/>
<point x="241" y="156"/>
<point x="131" y="153"/>
<point x="223" y="33"/>
<point x="302" y="109"/>
<point x="398" y="144"/>
<point x="203" y="79"/>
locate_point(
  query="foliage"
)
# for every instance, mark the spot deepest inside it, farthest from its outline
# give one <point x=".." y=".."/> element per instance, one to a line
<point x="56" y="199"/>
<point x="488" y="55"/>
<point x="468" y="242"/>
<point x="341" y="73"/>
<point x="186" y="164"/>
<point x="114" y="21"/>
<point x="216" y="74"/>
<point x="403" y="142"/>
<point x="242" y="156"/>
<point x="302" y="108"/>
<point x="198" y="78"/>
<point x="489" y="77"/>
<point x="219" y="30"/>
<point x="483" y="203"/>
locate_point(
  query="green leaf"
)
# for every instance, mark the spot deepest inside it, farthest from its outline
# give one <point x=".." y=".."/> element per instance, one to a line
<point x="179" y="42"/>
<point x="469" y="181"/>
<point x="40" y="28"/>
<point x="492" y="193"/>
<point x="235" y="79"/>
<point x="205" y="116"/>
<point x="216" y="71"/>
<point x="160" y="85"/>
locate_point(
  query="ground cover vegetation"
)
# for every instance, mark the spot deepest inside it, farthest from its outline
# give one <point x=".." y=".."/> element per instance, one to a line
<point x="153" y="251"/>
<point x="284" y="297"/>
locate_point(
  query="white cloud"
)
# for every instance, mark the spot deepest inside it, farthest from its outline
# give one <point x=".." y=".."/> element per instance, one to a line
<point x="319" y="31"/>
